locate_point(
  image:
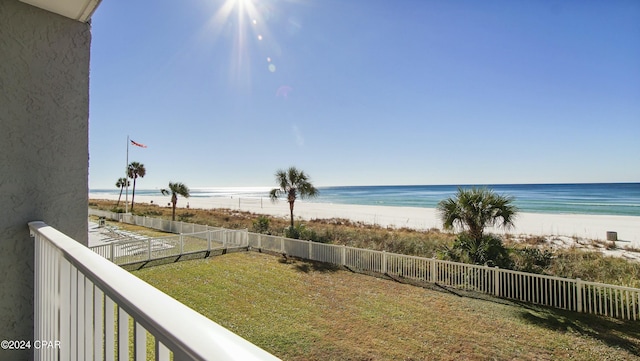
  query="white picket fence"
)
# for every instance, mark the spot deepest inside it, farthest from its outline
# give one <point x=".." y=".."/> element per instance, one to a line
<point x="134" y="251"/>
<point x="159" y="224"/>
<point x="563" y="293"/>
<point x="569" y="294"/>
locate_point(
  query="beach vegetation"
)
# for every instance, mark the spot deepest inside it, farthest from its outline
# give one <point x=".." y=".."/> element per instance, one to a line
<point x="186" y="216"/>
<point x="531" y="259"/>
<point x="589" y="265"/>
<point x="135" y="170"/>
<point x="301" y="231"/>
<point x="175" y="189"/>
<point x="122" y="183"/>
<point x="292" y="183"/>
<point x="489" y="250"/>
<point x="473" y="210"/>
<point x="261" y="225"/>
<point x="593" y="266"/>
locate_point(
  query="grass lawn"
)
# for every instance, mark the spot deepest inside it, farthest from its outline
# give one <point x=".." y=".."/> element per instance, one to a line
<point x="310" y="311"/>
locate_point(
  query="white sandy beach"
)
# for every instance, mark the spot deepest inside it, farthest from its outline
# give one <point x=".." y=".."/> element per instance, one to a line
<point x="571" y="225"/>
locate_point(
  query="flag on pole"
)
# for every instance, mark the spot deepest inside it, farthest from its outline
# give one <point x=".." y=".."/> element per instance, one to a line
<point x="138" y="144"/>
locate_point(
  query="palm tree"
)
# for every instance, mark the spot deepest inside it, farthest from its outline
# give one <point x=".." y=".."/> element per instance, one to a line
<point x="292" y="183"/>
<point x="121" y="183"/>
<point x="174" y="190"/>
<point x="475" y="209"/>
<point x="135" y="170"/>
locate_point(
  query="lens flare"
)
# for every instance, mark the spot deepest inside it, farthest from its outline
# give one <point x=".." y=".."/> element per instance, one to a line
<point x="241" y="22"/>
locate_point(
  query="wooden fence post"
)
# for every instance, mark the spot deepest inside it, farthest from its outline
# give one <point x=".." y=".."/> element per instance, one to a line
<point x="208" y="239"/>
<point x="496" y="281"/>
<point x="149" y="258"/>
<point x="384" y="263"/>
<point x="111" y="250"/>
<point x="310" y="250"/>
<point x="434" y="274"/>
<point x="579" y="287"/>
<point x="181" y="244"/>
<point x="343" y="255"/>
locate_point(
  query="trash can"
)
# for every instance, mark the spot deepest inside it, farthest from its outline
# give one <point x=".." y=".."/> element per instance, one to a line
<point x="101" y="222"/>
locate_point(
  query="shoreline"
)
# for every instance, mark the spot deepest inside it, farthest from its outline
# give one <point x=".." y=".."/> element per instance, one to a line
<point x="583" y="226"/>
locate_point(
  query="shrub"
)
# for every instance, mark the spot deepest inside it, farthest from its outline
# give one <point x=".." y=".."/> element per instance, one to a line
<point x="186" y="217"/>
<point x="300" y="231"/>
<point x="531" y="259"/>
<point x="488" y="250"/>
<point x="261" y="225"/>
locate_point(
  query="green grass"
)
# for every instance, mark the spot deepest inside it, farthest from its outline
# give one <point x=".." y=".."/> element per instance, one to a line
<point x="311" y="311"/>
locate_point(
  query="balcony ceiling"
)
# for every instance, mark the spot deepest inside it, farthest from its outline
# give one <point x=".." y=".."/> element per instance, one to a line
<point x="80" y="10"/>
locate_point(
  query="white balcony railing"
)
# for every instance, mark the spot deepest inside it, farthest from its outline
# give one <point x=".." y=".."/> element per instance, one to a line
<point x="83" y="305"/>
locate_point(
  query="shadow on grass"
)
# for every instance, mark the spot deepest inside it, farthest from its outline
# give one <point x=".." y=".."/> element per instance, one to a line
<point x="306" y="266"/>
<point x="623" y="334"/>
<point x="178" y="258"/>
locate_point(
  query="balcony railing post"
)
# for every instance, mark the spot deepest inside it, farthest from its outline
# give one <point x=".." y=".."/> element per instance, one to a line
<point x="123" y="335"/>
<point x="140" y="342"/>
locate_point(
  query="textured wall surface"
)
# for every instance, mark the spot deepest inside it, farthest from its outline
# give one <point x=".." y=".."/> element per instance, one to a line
<point x="44" y="105"/>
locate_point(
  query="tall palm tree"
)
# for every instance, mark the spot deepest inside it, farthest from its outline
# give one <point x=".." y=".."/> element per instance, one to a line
<point x="135" y="170"/>
<point x="476" y="208"/>
<point x="174" y="190"/>
<point x="121" y="183"/>
<point x="292" y="183"/>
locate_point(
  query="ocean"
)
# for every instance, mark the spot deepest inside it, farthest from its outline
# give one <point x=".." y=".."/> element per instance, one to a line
<point x="581" y="198"/>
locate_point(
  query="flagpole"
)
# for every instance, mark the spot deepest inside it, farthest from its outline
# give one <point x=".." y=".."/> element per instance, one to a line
<point x="126" y="180"/>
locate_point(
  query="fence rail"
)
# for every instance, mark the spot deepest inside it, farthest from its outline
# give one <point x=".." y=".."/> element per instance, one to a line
<point x="86" y="303"/>
<point x="563" y="293"/>
<point x="143" y="250"/>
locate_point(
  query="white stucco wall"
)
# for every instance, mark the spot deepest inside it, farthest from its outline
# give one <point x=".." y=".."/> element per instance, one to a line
<point x="44" y="105"/>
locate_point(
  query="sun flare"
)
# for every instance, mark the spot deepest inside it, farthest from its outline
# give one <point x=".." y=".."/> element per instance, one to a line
<point x="243" y="24"/>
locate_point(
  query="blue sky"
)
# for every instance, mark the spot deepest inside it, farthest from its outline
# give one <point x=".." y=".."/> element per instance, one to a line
<point x="366" y="92"/>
